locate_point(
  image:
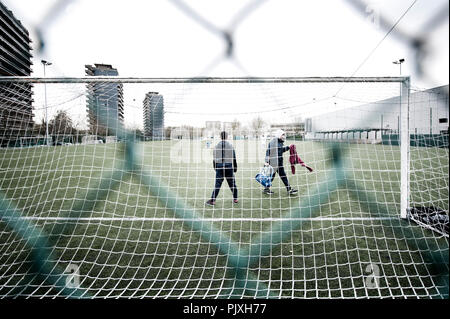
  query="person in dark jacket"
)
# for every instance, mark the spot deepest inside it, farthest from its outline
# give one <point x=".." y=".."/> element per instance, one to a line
<point x="274" y="158"/>
<point x="225" y="165"/>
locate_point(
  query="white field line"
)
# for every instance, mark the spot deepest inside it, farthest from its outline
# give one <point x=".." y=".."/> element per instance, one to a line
<point x="244" y="219"/>
<point x="99" y="169"/>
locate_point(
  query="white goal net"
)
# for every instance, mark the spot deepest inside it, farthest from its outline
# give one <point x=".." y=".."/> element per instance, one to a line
<point x="114" y="187"/>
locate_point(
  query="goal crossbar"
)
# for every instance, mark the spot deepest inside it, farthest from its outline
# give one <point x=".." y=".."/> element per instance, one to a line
<point x="118" y="79"/>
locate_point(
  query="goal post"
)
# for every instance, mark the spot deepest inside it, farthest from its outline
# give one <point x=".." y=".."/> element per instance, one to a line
<point x="134" y="204"/>
<point x="405" y="146"/>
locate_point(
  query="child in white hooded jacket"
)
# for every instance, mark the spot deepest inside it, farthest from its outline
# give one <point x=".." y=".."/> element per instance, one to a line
<point x="274" y="158"/>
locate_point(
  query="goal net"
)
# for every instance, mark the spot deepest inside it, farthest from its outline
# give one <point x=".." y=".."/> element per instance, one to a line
<point x="104" y="184"/>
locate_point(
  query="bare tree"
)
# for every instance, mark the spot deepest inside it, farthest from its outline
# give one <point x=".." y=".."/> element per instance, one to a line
<point x="189" y="129"/>
<point x="168" y="132"/>
<point x="39" y="129"/>
<point x="236" y="127"/>
<point x="257" y="126"/>
<point x="61" y="123"/>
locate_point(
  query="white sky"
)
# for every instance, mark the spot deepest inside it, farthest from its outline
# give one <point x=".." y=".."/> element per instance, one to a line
<point x="279" y="38"/>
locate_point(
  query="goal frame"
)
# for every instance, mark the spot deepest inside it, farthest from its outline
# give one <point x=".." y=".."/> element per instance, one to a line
<point x="404" y="81"/>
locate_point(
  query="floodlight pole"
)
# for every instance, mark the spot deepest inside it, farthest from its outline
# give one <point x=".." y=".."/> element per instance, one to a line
<point x="44" y="63"/>
<point x="399" y="62"/>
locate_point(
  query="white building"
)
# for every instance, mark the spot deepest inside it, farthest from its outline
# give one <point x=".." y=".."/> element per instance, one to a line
<point x="428" y="115"/>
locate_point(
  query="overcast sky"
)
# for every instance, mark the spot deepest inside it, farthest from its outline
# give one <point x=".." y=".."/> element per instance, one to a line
<point x="277" y="38"/>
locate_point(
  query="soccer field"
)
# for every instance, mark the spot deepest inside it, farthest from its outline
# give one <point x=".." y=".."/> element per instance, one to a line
<point x="125" y="240"/>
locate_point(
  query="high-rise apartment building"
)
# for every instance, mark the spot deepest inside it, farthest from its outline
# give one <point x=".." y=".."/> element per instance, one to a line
<point x="154" y="116"/>
<point x="104" y="101"/>
<point x="16" y="110"/>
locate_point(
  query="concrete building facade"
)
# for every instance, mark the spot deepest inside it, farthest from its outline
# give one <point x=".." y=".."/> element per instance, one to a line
<point x="16" y="110"/>
<point x="368" y="123"/>
<point x="104" y="101"/>
<point x="153" y="116"/>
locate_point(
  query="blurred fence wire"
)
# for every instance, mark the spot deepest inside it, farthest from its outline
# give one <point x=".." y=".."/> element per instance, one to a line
<point x="417" y="43"/>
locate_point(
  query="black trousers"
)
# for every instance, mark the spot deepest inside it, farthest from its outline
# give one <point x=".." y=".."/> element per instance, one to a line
<point x="283" y="176"/>
<point x="224" y="171"/>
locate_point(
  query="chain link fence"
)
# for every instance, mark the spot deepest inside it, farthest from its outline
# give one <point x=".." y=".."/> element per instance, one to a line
<point x="239" y="260"/>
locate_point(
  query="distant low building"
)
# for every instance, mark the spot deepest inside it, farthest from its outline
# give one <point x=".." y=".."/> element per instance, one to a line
<point x="379" y="122"/>
<point x="293" y="130"/>
<point x="213" y="129"/>
<point x="91" y="139"/>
